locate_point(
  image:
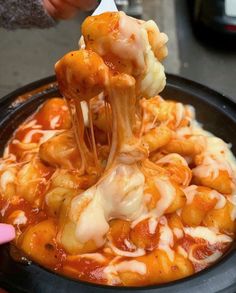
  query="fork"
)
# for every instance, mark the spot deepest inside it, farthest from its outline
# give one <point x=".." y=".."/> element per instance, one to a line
<point x="105" y="6"/>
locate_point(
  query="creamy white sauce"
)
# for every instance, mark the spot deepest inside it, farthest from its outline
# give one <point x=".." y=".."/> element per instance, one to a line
<point x="221" y="200"/>
<point x="20" y="218"/>
<point x="64" y="108"/>
<point x="129" y="244"/>
<point x="207" y="260"/>
<point x="54" y="122"/>
<point x="136" y="253"/>
<point x="172" y="158"/>
<point x="183" y="132"/>
<point x="178" y="233"/>
<point x="7" y="177"/>
<point x="179" y="212"/>
<point x="94" y="256"/>
<point x="132" y="266"/>
<point x="167" y="194"/>
<point x="84" y="107"/>
<point x="211" y="167"/>
<point x="118" y="195"/>
<point x="154" y="79"/>
<point x="111" y="272"/>
<point x="147" y="198"/>
<point x="31" y="124"/>
<point x="126" y="46"/>
<point x="4" y="209"/>
<point x="190" y="192"/>
<point x="216" y="156"/>
<point x="152" y="225"/>
<point x="46" y="135"/>
<point x="166" y="239"/>
<point x="209" y="235"/>
<point x="179" y="113"/>
<point x="232" y="200"/>
<point x="182" y="251"/>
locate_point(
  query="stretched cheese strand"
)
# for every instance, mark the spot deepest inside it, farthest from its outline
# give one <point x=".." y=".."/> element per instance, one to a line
<point x="82" y="75"/>
<point x="125" y="146"/>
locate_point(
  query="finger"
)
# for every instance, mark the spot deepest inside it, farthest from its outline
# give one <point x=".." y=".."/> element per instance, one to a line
<point x="7" y="233"/>
<point x="60" y="9"/>
<point x="83" y="4"/>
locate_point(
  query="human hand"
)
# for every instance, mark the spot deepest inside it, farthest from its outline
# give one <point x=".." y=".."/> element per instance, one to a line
<point x="65" y="9"/>
<point x="7" y="233"/>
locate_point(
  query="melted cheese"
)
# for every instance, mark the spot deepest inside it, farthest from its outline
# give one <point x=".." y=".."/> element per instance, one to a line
<point x="31" y="124"/>
<point x="46" y="135"/>
<point x="172" y="158"/>
<point x="232" y="200"/>
<point x="85" y="112"/>
<point x="98" y="257"/>
<point x="167" y="194"/>
<point x="119" y="195"/>
<point x="136" y="253"/>
<point x="166" y="239"/>
<point x="183" y="132"/>
<point x="7" y="177"/>
<point x="132" y="266"/>
<point x="205" y="233"/>
<point x="190" y="192"/>
<point x="129" y="244"/>
<point x="216" y="156"/>
<point x="207" y="260"/>
<point x="4" y="209"/>
<point x="221" y="200"/>
<point x="152" y="225"/>
<point x="154" y="80"/>
<point x="210" y="168"/>
<point x="178" y="233"/>
<point x="111" y="272"/>
<point x="182" y="251"/>
<point x="54" y="122"/>
<point x="20" y="218"/>
<point x="179" y="113"/>
<point x="132" y="50"/>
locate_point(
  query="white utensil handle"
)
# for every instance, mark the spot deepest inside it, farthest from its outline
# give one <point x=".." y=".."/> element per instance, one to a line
<point x="105" y="6"/>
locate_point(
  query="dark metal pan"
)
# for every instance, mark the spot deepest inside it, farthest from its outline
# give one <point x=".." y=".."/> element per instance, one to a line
<point x="218" y="115"/>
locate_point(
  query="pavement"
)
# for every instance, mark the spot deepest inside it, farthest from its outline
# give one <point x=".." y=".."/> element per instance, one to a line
<point x="209" y="64"/>
<point x="28" y="55"/>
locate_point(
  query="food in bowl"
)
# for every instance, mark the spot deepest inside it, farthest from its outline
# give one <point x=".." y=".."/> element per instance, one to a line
<point x="112" y="184"/>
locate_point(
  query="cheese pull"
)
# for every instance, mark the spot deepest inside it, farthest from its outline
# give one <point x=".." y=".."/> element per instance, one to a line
<point x="118" y="195"/>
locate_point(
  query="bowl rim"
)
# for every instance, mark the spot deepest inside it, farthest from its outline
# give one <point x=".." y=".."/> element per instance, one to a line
<point x="214" y="98"/>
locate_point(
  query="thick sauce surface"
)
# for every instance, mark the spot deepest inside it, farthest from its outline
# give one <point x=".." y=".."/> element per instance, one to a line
<point x="184" y="228"/>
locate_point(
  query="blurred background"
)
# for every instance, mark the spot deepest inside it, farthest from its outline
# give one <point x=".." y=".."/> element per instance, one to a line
<point x="202" y="38"/>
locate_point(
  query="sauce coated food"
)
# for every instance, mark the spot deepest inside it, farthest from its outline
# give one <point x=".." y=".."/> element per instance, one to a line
<point x="112" y="184"/>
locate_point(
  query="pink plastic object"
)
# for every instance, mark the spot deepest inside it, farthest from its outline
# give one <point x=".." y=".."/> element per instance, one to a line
<point x="7" y="233"/>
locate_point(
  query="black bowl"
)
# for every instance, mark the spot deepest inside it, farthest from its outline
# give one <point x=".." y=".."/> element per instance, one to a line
<point x="218" y="115"/>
